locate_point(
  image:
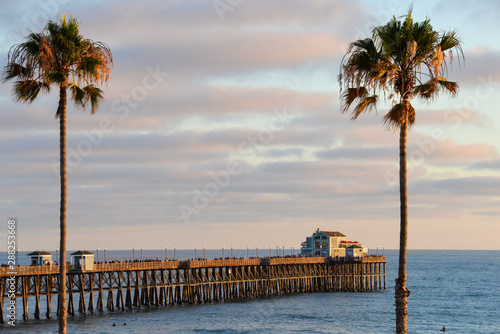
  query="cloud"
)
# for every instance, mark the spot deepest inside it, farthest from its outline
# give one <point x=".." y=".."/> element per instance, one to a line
<point x="462" y="186"/>
<point x="491" y="164"/>
<point x="359" y="153"/>
<point x="439" y="118"/>
<point x="448" y="151"/>
<point x="477" y="72"/>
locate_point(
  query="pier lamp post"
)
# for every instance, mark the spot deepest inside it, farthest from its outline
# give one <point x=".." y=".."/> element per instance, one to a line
<point x="141" y="253"/>
<point x="222" y="251"/>
<point x="257" y="251"/>
<point x="279" y="253"/>
<point x="269" y="251"/>
<point x="175" y="250"/>
<point x="195" y="253"/>
<point x="291" y="248"/>
<point x="368" y="250"/>
<point x="320" y="248"/>
<point x="133" y="254"/>
<point x="166" y="248"/>
<point x="104" y="254"/>
<point x="231" y="251"/>
<point x="377" y="250"/>
<point x="97" y="254"/>
<point x="384" y="251"/>
<point x="17" y="257"/>
<point x="57" y="253"/>
<point x="283" y="251"/>
<point x="204" y="249"/>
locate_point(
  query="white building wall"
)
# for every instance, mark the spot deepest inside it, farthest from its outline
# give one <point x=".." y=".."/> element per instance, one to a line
<point x="340" y="252"/>
<point x="354" y="252"/>
<point x="335" y="241"/>
<point x="88" y="262"/>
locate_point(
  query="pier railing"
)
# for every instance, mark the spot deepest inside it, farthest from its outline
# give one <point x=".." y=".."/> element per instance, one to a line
<point x="292" y="260"/>
<point x="154" y="265"/>
<point x="30" y="270"/>
<point x="126" y="266"/>
<point x="222" y="263"/>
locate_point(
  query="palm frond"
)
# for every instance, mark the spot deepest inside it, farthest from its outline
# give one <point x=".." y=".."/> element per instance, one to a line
<point x="365" y="104"/>
<point x="78" y="95"/>
<point x="56" y="77"/>
<point x="360" y="61"/>
<point x="398" y="115"/>
<point x="450" y="41"/>
<point x="449" y="86"/>
<point x="426" y="91"/>
<point x="14" y="70"/>
<point x="28" y="90"/>
<point x="95" y="96"/>
<point x="351" y="94"/>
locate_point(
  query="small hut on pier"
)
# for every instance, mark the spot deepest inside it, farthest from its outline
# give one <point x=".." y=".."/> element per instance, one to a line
<point x="82" y="260"/>
<point x="354" y="251"/>
<point x="40" y="258"/>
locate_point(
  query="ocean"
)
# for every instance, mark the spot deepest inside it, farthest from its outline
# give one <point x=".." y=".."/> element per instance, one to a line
<point x="456" y="289"/>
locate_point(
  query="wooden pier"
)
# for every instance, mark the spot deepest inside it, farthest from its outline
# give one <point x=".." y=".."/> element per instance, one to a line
<point x="144" y="284"/>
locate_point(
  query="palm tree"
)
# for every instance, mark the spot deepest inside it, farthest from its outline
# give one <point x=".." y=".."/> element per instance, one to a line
<point x="403" y="60"/>
<point x="60" y="56"/>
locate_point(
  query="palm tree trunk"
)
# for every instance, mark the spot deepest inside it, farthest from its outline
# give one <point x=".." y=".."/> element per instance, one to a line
<point x="62" y="259"/>
<point x="402" y="293"/>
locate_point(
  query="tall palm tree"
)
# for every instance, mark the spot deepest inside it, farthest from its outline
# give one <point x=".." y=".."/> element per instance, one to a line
<point x="403" y="60"/>
<point x="60" y="56"/>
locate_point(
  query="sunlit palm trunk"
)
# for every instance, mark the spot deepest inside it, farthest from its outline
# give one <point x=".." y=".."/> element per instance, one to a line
<point x="62" y="246"/>
<point x="401" y="292"/>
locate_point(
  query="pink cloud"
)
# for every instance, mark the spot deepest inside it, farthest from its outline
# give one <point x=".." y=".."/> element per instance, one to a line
<point x="451" y="152"/>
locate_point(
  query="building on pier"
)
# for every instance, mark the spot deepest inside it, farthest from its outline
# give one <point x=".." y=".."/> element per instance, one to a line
<point x="331" y="243"/>
<point x="354" y="251"/>
<point x="82" y="260"/>
<point x="40" y="258"/>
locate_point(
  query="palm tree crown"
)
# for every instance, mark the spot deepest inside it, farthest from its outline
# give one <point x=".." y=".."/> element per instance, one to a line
<point x="59" y="55"/>
<point x="403" y="60"/>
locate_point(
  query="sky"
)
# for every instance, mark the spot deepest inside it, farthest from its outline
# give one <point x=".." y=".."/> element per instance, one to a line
<point x="222" y="127"/>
